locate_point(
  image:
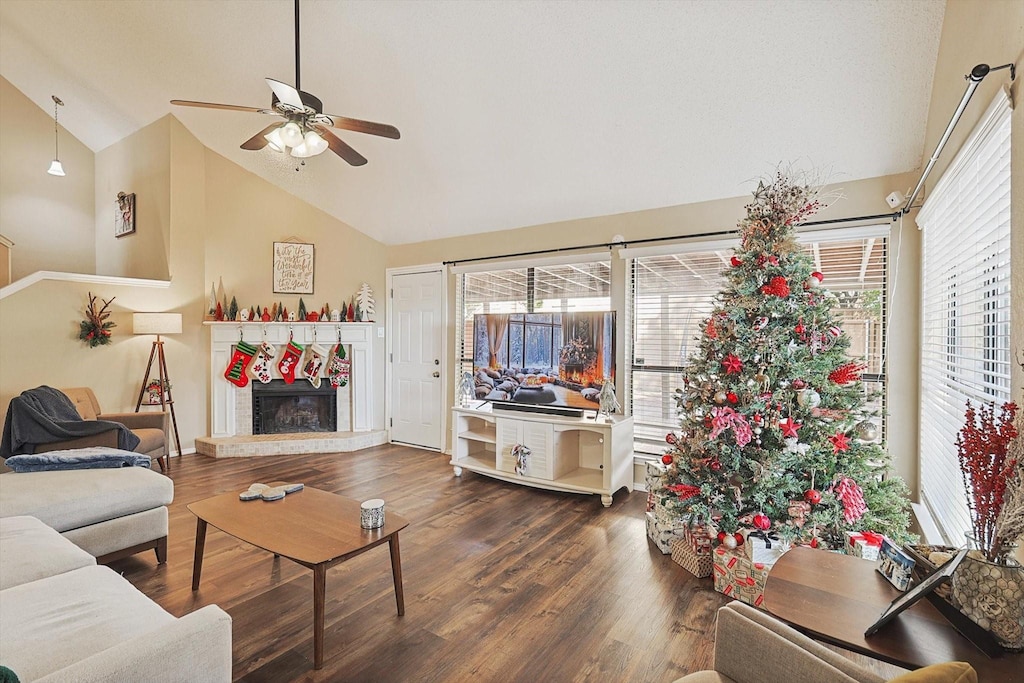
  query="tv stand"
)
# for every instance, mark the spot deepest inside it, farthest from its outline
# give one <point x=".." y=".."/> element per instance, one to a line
<point x="571" y="454"/>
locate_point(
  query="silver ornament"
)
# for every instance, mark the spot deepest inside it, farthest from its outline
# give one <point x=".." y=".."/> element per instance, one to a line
<point x="720" y="397"/>
<point x="866" y="431"/>
<point x="808" y="398"/>
<point x="811" y="283"/>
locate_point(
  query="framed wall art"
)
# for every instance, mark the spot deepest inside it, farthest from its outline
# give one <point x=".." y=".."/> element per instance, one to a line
<point x="124" y="215"/>
<point x="293" y="268"/>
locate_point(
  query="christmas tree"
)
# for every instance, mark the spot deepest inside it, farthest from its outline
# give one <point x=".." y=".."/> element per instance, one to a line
<point x="774" y="429"/>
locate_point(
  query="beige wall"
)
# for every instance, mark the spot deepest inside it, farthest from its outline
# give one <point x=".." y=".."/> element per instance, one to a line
<point x="141" y="164"/>
<point x="984" y="32"/>
<point x="49" y="219"/>
<point x="863" y="197"/>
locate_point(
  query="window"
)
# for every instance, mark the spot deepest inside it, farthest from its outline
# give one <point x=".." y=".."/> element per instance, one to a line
<point x="534" y="296"/>
<point x="673" y="293"/>
<point x="965" y="307"/>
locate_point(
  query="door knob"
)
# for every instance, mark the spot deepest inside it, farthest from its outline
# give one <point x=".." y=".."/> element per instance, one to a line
<point x="437" y="362"/>
<point x="437" y="374"/>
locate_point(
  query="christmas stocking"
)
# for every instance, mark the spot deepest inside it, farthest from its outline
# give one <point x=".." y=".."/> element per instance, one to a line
<point x="314" y="361"/>
<point x="239" y="361"/>
<point x="289" y="362"/>
<point x="261" y="366"/>
<point x="339" y="367"/>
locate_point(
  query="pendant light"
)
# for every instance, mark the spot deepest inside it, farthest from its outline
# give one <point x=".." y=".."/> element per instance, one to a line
<point x="56" y="168"/>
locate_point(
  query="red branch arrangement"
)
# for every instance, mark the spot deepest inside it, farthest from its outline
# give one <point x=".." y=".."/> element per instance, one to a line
<point x="95" y="329"/>
<point x="982" y="447"/>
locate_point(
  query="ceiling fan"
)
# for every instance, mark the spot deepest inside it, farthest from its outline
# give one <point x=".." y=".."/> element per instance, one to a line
<point x="306" y="129"/>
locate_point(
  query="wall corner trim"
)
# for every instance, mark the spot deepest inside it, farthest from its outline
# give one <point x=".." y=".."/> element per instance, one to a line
<point x="41" y="275"/>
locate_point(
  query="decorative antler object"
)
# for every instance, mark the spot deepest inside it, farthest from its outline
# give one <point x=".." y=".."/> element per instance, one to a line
<point x="95" y="329"/>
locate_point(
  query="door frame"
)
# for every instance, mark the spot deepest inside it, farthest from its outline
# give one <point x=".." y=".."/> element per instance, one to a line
<point x="444" y="408"/>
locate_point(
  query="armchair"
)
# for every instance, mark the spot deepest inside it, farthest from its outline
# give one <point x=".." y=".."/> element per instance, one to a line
<point x="151" y="427"/>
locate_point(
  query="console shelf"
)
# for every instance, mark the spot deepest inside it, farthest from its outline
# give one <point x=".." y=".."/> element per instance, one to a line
<point x="576" y="455"/>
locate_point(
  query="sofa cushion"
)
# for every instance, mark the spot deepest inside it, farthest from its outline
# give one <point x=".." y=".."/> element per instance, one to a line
<point x="30" y="550"/>
<point x="82" y="402"/>
<point x="51" y="623"/>
<point x="75" y="498"/>
<point x="947" y="672"/>
<point x="150" y="441"/>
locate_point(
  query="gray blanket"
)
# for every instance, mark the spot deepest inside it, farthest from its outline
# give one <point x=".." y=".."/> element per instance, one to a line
<point x="77" y="459"/>
<point x="45" y="415"/>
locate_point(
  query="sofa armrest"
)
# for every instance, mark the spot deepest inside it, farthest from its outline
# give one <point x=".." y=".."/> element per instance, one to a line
<point x="751" y="646"/>
<point x="107" y="438"/>
<point x="147" y="420"/>
<point x="196" y="647"/>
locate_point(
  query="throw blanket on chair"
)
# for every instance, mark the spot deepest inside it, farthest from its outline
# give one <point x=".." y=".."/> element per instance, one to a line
<point x="44" y="415"/>
<point x="77" y="459"/>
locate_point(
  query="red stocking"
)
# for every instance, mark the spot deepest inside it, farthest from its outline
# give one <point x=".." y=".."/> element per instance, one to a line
<point x="289" y="362"/>
<point x="239" y="362"/>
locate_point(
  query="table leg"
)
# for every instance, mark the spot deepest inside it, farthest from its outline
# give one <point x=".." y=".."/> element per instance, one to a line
<point x="319" y="586"/>
<point x="197" y="565"/>
<point x="396" y="572"/>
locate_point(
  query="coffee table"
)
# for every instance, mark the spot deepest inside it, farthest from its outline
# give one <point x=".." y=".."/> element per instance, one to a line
<point x="311" y="527"/>
<point x="835" y="598"/>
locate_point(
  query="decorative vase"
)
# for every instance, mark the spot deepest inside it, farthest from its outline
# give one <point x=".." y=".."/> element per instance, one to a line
<point x="991" y="594"/>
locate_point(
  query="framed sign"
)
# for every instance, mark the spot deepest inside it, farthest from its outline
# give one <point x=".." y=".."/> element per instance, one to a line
<point x="124" y="215"/>
<point x="293" y="268"/>
<point x="941" y="575"/>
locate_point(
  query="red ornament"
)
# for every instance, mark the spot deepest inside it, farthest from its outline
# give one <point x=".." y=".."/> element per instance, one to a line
<point x="774" y="260"/>
<point x="732" y="398"/>
<point x="814" y="542"/>
<point x="762" y="522"/>
<point x="739" y="539"/>
<point x="710" y="330"/>
<point x="812" y="496"/>
<point x="671" y="439"/>
<point x="667" y="459"/>
<point x="839" y="442"/>
<point x="757" y="418"/>
<point x="820" y="277"/>
<point x="846" y="373"/>
<point x="799" y="329"/>
<point x="732" y="364"/>
<point x="736" y="262"/>
<point x="777" y="286"/>
<point x="721" y="536"/>
<point x="761" y="259"/>
<point x="684" y="491"/>
<point x="715" y="465"/>
<point x="799" y="384"/>
<point x="789" y="427"/>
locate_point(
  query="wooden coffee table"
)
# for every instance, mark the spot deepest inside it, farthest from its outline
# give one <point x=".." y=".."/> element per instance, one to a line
<point x="835" y="598"/>
<point x="314" y="528"/>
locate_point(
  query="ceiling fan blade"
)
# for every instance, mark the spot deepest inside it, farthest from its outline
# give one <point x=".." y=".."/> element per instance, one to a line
<point x="341" y="148"/>
<point x="211" y="105"/>
<point x="257" y="141"/>
<point x="286" y="93"/>
<point x="360" y="126"/>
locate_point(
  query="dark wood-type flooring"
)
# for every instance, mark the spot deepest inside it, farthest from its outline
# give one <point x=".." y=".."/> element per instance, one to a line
<point x="502" y="582"/>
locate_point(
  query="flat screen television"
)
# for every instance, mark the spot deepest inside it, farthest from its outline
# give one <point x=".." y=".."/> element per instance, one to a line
<point x="543" y="360"/>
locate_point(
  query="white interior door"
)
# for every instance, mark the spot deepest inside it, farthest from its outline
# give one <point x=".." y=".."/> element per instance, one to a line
<point x="417" y="359"/>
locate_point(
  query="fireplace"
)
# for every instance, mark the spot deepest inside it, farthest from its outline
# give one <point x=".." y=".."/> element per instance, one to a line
<point x="282" y="408"/>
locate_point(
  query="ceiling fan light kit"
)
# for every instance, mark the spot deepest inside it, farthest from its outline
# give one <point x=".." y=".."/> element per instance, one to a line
<point x="306" y="129"/>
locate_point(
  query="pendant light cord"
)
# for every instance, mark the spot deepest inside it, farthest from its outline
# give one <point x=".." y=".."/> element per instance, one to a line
<point x="56" y="102"/>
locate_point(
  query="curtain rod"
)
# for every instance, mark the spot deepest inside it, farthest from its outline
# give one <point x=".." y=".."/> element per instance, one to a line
<point x="652" y="240"/>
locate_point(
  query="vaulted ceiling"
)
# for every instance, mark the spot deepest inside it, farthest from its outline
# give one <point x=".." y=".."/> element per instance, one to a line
<point x="512" y="113"/>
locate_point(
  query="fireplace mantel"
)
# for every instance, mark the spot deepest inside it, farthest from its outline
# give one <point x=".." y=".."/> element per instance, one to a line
<point x="224" y="335"/>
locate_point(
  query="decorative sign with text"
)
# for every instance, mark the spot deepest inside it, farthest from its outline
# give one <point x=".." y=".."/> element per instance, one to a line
<point x="293" y="268"/>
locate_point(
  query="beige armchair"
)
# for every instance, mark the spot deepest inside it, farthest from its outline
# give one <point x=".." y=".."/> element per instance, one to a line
<point x="150" y="427"/>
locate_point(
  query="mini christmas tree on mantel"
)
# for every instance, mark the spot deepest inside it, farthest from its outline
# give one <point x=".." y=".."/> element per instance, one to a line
<point x="773" y="423"/>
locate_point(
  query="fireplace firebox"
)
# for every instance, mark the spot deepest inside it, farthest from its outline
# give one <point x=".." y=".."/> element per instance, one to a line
<point x="282" y="408"/>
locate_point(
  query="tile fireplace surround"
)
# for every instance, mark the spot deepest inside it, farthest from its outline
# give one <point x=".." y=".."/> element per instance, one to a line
<point x="231" y="406"/>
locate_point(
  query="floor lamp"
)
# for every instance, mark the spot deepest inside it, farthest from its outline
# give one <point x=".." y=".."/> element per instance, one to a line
<point x="158" y="324"/>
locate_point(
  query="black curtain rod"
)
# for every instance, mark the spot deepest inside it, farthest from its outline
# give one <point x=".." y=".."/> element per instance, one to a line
<point x="654" y="240"/>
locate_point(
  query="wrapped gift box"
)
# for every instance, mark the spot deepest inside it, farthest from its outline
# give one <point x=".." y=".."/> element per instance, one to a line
<point x="699" y="536"/>
<point x="863" y="544"/>
<point x="739" y="577"/>
<point x="654" y="481"/>
<point x="664" y="533"/>
<point x="763" y="547"/>
<point x="697" y="563"/>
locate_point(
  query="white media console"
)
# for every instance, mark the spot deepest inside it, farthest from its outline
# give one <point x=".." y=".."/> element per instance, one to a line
<point x="573" y="454"/>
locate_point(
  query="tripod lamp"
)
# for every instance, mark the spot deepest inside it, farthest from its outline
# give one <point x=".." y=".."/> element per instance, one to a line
<point x="158" y="324"/>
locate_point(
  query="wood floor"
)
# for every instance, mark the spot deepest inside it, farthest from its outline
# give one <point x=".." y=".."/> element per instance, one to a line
<point x="502" y="582"/>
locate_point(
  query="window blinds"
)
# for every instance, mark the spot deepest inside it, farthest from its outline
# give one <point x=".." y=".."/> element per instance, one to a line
<point x="673" y="293"/>
<point x="965" y="307"/>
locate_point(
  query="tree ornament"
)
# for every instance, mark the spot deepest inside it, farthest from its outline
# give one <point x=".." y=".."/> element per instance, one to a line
<point x="812" y="496"/>
<point x="732" y="398"/>
<point x="846" y="373"/>
<point x="671" y="438"/>
<point x="720" y="397"/>
<point x="729" y="541"/>
<point x="762" y="521"/>
<point x="667" y="459"/>
<point x="812" y="283"/>
<point x="721" y="537"/>
<point x="732" y="364"/>
<point x="839" y="442"/>
<point x="852" y="497"/>
<point x="736" y="262"/>
<point x="715" y="465"/>
<point x="818" y="276"/>
<point x="799" y="384"/>
<point x="760" y="323"/>
<point x="684" y="491"/>
<point x="808" y="398"/>
<point x="739" y="539"/>
<point x="789" y="428"/>
<point x="866" y="431"/>
<point x="777" y="286"/>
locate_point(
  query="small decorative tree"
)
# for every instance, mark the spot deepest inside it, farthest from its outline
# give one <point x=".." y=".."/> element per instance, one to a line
<point x="773" y="430"/>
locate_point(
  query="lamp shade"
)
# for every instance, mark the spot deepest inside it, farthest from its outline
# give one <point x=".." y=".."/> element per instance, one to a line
<point x="156" y="323"/>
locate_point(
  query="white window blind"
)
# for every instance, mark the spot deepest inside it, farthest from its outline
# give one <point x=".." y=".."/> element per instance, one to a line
<point x="547" y="288"/>
<point x="965" y="307"/>
<point x="673" y="293"/>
